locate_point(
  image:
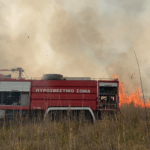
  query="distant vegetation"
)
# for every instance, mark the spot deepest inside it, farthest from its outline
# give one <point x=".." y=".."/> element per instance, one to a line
<point x="127" y="132"/>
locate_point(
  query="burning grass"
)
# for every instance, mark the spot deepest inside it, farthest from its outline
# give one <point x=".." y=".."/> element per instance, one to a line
<point x="127" y="132"/>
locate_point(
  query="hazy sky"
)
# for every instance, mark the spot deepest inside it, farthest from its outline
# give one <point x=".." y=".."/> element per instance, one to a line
<point x="87" y="38"/>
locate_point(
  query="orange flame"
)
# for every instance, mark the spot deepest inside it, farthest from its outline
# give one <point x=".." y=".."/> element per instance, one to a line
<point x="135" y="97"/>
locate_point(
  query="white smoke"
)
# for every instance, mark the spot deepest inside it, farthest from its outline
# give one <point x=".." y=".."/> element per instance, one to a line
<point x="76" y="38"/>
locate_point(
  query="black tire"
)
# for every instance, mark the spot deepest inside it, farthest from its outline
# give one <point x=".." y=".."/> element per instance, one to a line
<point x="52" y="77"/>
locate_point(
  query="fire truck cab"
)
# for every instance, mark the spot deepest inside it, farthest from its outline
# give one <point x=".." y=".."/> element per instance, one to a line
<point x="108" y="95"/>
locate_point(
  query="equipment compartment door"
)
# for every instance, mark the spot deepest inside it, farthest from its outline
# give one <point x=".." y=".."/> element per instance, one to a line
<point x="14" y="98"/>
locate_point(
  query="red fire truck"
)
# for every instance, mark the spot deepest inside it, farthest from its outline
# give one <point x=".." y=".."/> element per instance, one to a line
<point x="54" y="93"/>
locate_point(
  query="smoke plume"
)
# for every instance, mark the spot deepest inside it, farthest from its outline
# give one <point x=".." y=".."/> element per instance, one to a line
<point x="76" y="38"/>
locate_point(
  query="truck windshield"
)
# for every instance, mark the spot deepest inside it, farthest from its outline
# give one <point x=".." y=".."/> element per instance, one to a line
<point x="108" y="90"/>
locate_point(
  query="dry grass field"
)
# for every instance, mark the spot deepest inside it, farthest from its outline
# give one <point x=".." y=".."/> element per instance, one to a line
<point x="127" y="132"/>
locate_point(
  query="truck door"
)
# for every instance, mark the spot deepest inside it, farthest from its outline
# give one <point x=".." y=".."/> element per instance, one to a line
<point x="108" y="95"/>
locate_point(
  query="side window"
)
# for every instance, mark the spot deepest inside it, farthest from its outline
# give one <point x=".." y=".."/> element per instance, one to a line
<point x="14" y="98"/>
<point x="113" y="99"/>
<point x="103" y="98"/>
<point x="11" y="98"/>
<point x="1" y="98"/>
